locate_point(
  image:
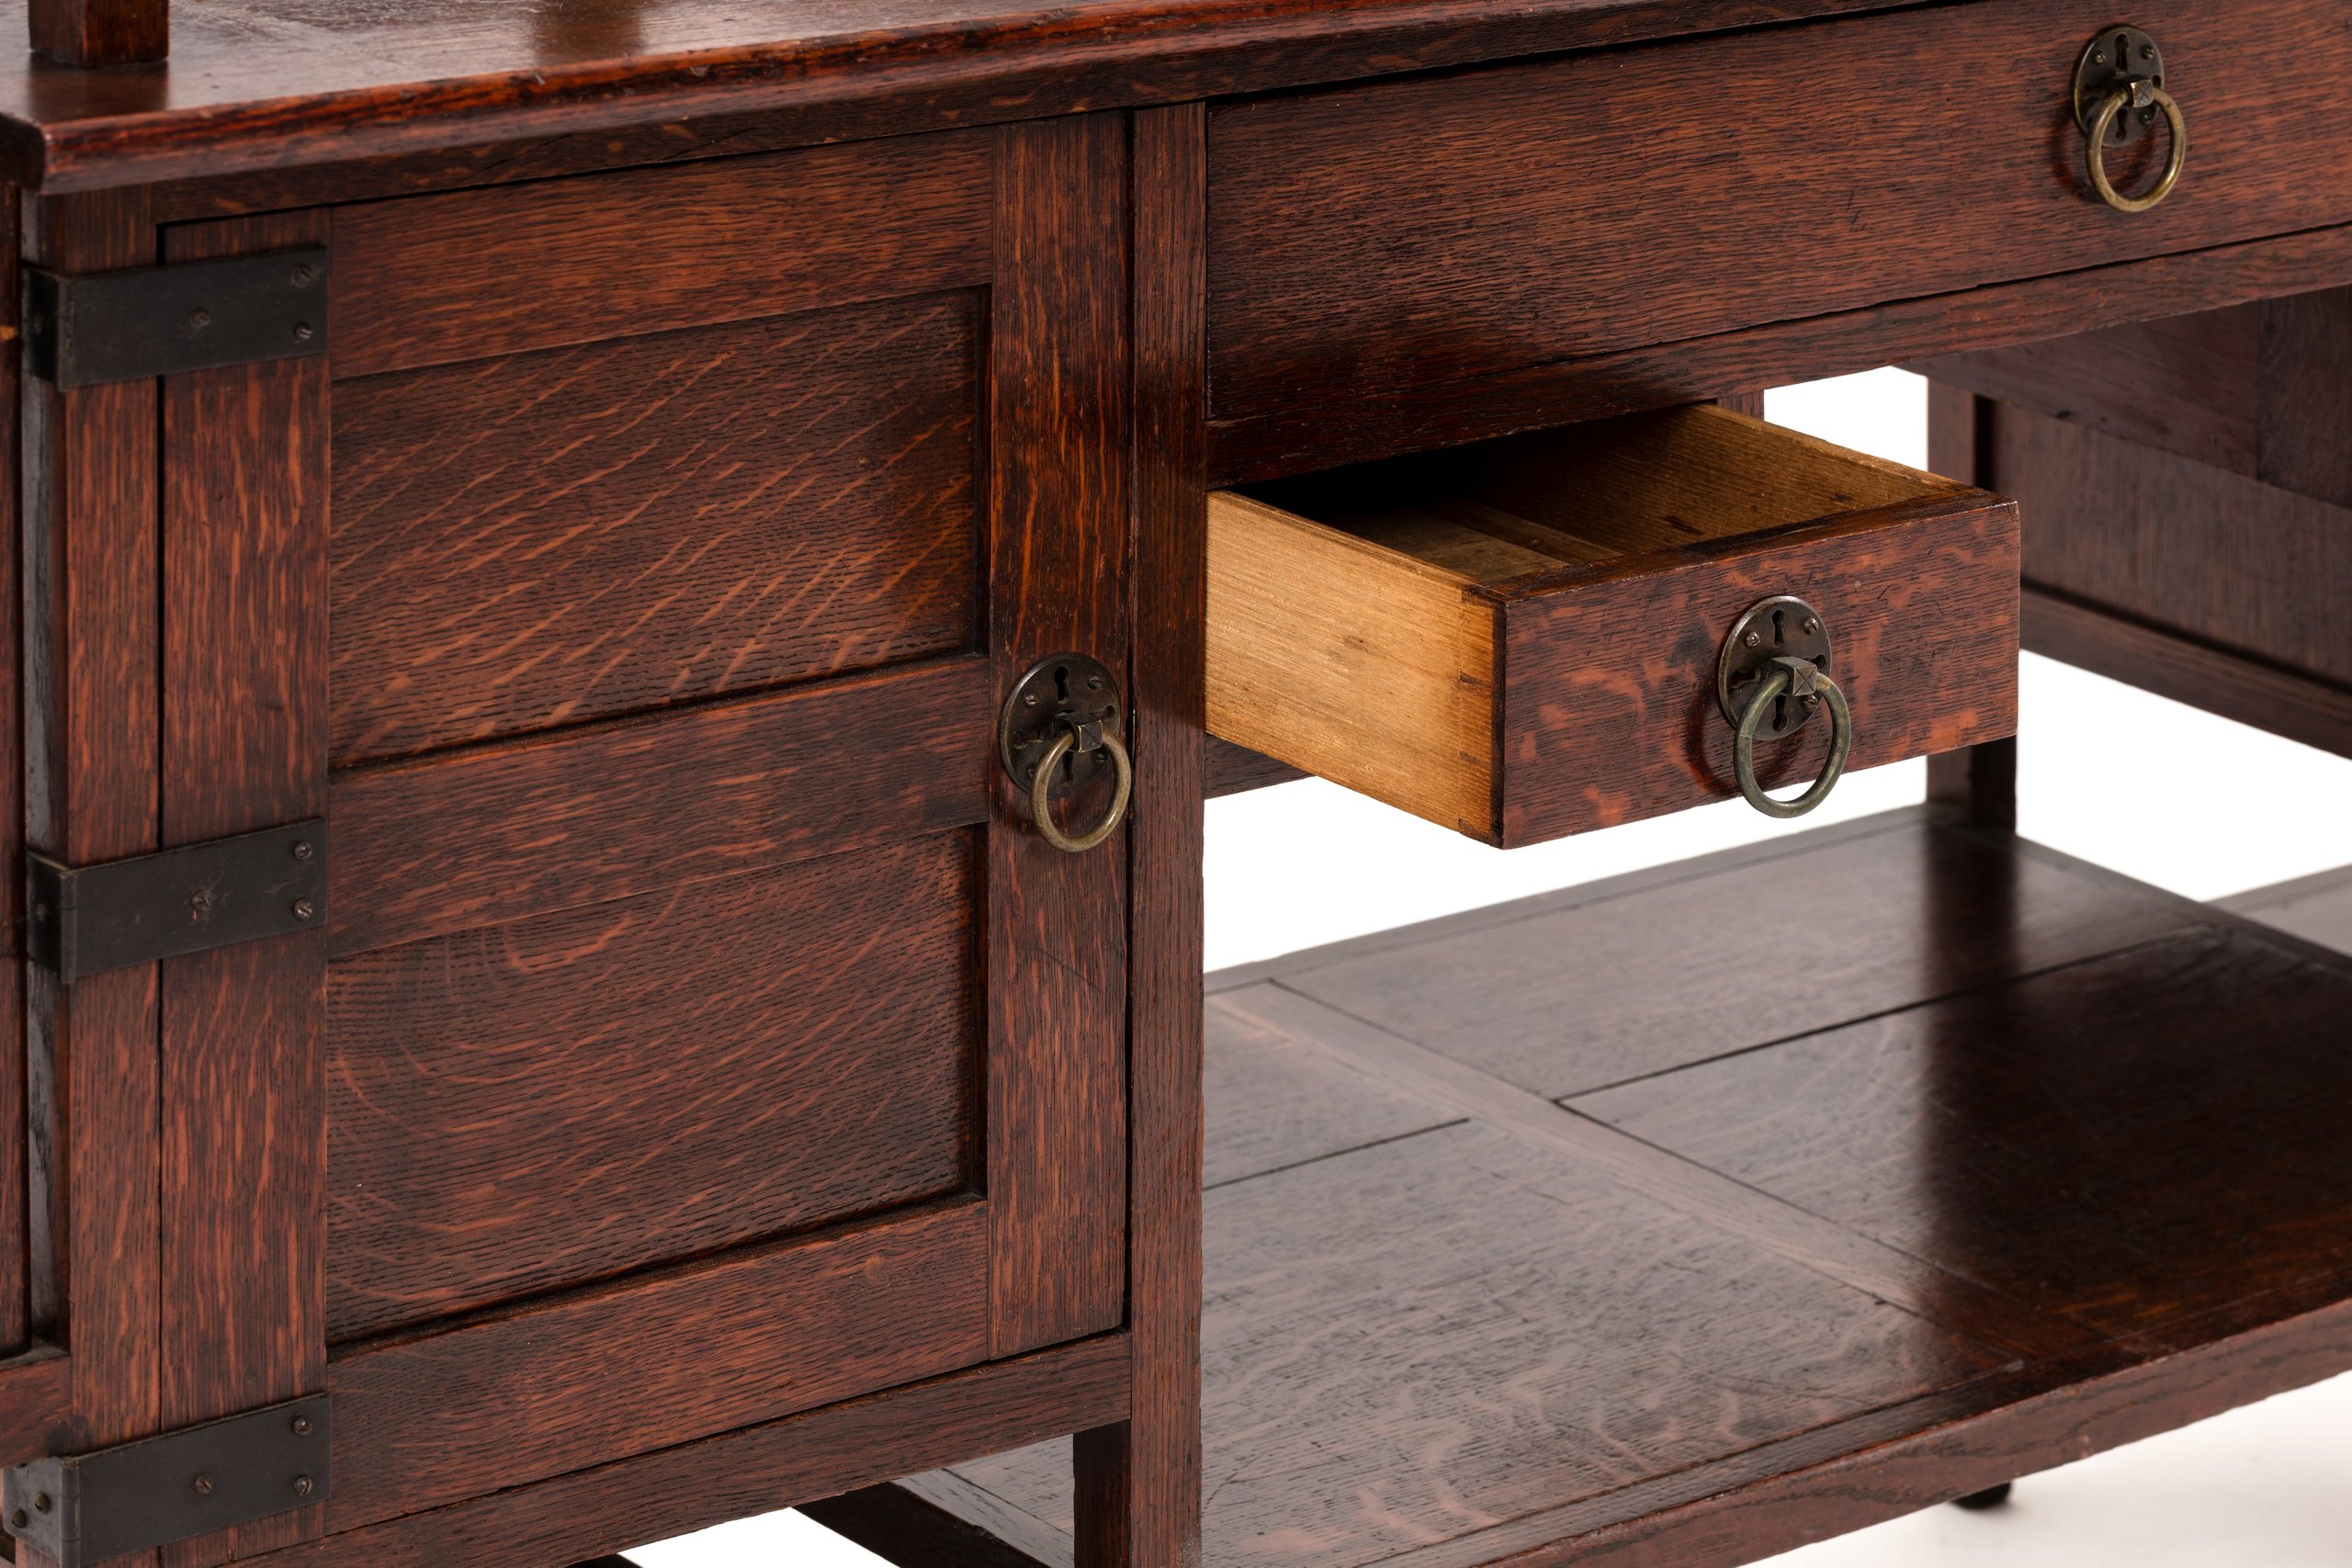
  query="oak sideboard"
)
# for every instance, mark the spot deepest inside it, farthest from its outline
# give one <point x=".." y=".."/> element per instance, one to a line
<point x="623" y="611"/>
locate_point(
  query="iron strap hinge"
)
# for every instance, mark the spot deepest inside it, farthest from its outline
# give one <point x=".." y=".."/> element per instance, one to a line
<point x="174" y="1487"/>
<point x="161" y="321"/>
<point x="87" y="919"/>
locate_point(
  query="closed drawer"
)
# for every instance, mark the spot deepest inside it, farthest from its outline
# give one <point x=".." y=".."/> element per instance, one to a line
<point x="1367" y="239"/>
<point x="1520" y="639"/>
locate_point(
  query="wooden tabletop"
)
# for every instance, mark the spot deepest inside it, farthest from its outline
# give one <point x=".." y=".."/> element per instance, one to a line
<point x="273" y="83"/>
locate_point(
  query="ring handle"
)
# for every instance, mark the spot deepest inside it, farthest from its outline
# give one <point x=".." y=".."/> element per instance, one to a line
<point x="2136" y="94"/>
<point x="1041" y="804"/>
<point x="1785" y="681"/>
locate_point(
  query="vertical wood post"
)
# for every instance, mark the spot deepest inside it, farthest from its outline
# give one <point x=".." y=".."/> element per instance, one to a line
<point x="1979" y="782"/>
<point x="92" y="650"/>
<point x="101" y="32"/>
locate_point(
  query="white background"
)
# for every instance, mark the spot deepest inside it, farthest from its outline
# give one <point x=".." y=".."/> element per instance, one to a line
<point x="1306" y="864"/>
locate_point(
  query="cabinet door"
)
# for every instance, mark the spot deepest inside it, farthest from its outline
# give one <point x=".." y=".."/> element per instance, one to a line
<point x="698" y="1031"/>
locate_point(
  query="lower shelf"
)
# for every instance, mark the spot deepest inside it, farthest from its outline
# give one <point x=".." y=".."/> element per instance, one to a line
<point x="1691" y="1217"/>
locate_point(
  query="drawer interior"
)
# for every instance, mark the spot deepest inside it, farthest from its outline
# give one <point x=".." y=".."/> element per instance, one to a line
<point x="1529" y="505"/>
<point x="1442" y="631"/>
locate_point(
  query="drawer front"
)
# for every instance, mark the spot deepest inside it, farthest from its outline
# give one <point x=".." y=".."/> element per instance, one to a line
<point x="1366" y="239"/>
<point x="1510" y="641"/>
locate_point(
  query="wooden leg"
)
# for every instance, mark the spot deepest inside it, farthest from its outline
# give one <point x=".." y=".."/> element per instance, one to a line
<point x="1979" y="783"/>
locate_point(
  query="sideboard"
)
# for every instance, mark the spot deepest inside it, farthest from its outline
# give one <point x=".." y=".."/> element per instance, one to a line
<point x="624" y="611"/>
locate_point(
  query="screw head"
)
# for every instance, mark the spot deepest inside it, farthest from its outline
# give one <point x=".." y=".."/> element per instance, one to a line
<point x="303" y="848"/>
<point x="1094" y="683"/>
<point x="303" y="273"/>
<point x="204" y="1487"/>
<point x="304" y="909"/>
<point x="21" y="1518"/>
<point x="1811" y="625"/>
<point x="199" y="905"/>
<point x="1753" y="639"/>
<point x="303" y="332"/>
<point x="1029" y="700"/>
<point x="301" y="1486"/>
<point x="301" y="1425"/>
<point x="40" y="1502"/>
<point x="200" y="317"/>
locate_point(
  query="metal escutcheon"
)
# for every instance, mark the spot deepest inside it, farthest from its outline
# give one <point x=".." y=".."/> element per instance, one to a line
<point x="1771" y="677"/>
<point x="2118" y="98"/>
<point x="1058" y="733"/>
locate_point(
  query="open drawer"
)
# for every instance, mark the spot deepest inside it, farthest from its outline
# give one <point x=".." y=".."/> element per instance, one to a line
<point x="1525" y="639"/>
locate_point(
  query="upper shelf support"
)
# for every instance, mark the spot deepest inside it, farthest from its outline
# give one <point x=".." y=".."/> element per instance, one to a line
<point x="101" y="32"/>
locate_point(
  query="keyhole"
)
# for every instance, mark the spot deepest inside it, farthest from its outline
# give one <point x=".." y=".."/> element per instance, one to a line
<point x="1061" y="703"/>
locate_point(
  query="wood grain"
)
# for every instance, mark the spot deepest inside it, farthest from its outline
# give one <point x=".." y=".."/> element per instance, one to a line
<point x="1880" y="937"/>
<point x="244" y="706"/>
<point x="1398" y="1371"/>
<point x="428" y="280"/>
<point x="551" y="538"/>
<point x="1519" y="640"/>
<point x="100" y="32"/>
<point x="92" y="701"/>
<point x="2179" y="546"/>
<point x="1564" y="185"/>
<point x="1141" y="1480"/>
<point x="259" y="84"/>
<point x="563" y="1100"/>
<point x="745" y="1338"/>
<point x="1056" y="939"/>
<point x="1375" y="425"/>
<point x="672" y="1491"/>
<point x="2067" y="1139"/>
<point x="478" y="837"/>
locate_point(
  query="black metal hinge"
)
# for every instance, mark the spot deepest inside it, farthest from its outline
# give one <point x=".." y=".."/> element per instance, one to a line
<point x="158" y="1490"/>
<point x="161" y="321"/>
<point x="90" y="919"/>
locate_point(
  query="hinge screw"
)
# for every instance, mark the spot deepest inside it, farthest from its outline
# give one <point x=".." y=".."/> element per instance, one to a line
<point x="199" y="319"/>
<point x="40" y="1500"/>
<point x="302" y="276"/>
<point x="301" y="1486"/>
<point x="302" y="331"/>
<point x="303" y="909"/>
<point x="301" y="1425"/>
<point x="21" y="1518"/>
<point x="303" y="848"/>
<point x="199" y="906"/>
<point x="204" y="1487"/>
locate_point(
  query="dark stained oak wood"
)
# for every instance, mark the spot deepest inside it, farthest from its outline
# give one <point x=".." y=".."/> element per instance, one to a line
<point x="1140" y="1481"/>
<point x="266" y="84"/>
<point x="2317" y="908"/>
<point x="537" y="1393"/>
<point x="35" y="1399"/>
<point x="426" y="280"/>
<point x="1227" y="769"/>
<point x="1056" y="936"/>
<point x="499" y="833"/>
<point x="1396" y="1372"/>
<point x="100" y="32"/>
<point x="775" y="1465"/>
<point x="92" y="661"/>
<point x="570" y="1097"/>
<point x="1562" y="1002"/>
<point x="2121" y="1143"/>
<point x="551" y="539"/>
<point x="1375" y="423"/>
<point x="1564" y="188"/>
<point x="244" y="1046"/>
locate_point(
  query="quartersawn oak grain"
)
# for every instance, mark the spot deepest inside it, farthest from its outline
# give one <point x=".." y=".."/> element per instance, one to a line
<point x="1519" y="640"/>
<point x="551" y="538"/>
<point x="1567" y="188"/>
<point x="570" y="1098"/>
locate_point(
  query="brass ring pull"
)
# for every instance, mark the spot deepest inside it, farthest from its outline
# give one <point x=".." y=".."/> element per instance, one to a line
<point x="1794" y="677"/>
<point x="1041" y="804"/>
<point x="2136" y="95"/>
